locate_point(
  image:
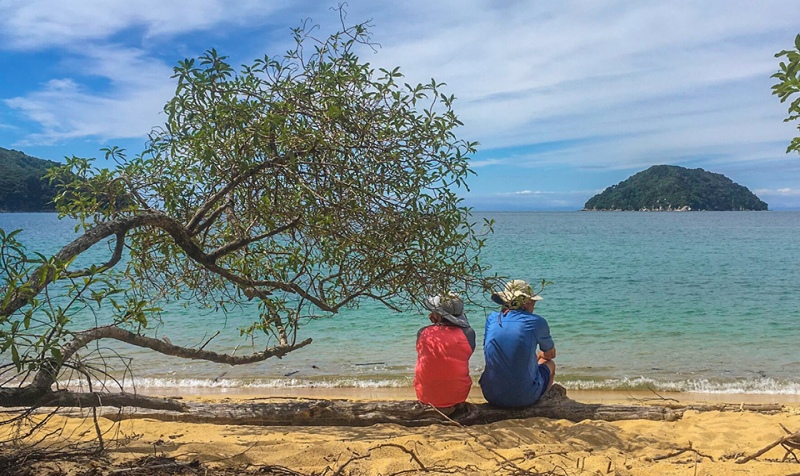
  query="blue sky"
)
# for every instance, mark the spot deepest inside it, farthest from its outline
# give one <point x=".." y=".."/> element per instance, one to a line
<point x="565" y="98"/>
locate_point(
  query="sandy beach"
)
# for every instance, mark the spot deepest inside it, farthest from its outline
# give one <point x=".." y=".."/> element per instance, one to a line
<point x="700" y="443"/>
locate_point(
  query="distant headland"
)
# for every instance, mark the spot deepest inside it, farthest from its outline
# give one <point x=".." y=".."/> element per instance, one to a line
<point x="22" y="186"/>
<point x="673" y="188"/>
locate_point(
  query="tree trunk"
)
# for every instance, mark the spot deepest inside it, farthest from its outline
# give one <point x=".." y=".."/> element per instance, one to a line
<point x="325" y="412"/>
<point x="31" y="397"/>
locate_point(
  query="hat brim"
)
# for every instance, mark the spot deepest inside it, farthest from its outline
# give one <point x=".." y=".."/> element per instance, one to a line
<point x="460" y="320"/>
<point x="499" y="298"/>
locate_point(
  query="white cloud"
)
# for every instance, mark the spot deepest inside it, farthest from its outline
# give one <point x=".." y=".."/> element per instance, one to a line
<point x="687" y="77"/>
<point x="137" y="89"/>
<point x="476" y="164"/>
<point x="782" y="192"/>
<point x="33" y="24"/>
<point x="605" y="84"/>
<point x="525" y="192"/>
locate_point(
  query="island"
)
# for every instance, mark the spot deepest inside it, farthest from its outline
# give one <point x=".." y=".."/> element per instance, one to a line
<point x="22" y="186"/>
<point x="674" y="188"/>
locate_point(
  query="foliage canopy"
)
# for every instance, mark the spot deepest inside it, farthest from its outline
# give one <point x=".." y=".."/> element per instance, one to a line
<point x="306" y="182"/>
<point x="789" y="85"/>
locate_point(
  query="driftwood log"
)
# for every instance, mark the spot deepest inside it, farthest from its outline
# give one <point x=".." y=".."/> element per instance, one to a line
<point x="330" y="412"/>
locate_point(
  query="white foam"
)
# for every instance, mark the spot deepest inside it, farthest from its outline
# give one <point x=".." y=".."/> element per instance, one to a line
<point x="155" y="383"/>
<point x="765" y="386"/>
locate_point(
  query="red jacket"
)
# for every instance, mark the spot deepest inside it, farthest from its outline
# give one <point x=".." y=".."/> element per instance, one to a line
<point x="441" y="377"/>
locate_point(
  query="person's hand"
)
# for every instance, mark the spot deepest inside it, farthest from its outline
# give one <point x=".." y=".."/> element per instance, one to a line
<point x="549" y="355"/>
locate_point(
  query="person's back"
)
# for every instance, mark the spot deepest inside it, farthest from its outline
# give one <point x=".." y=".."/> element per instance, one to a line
<point x="510" y="378"/>
<point x="516" y="375"/>
<point x="441" y="376"/>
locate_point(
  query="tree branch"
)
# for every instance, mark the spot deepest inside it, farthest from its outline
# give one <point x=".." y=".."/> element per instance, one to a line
<point x="238" y="244"/>
<point x="160" y="346"/>
<point x="118" y="247"/>
<point x="47" y="374"/>
<point x="235" y="182"/>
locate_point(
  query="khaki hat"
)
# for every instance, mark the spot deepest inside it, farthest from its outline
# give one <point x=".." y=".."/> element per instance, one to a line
<point x="516" y="293"/>
<point x="450" y="307"/>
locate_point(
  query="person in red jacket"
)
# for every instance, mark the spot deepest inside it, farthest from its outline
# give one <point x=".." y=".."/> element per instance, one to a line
<point x="441" y="377"/>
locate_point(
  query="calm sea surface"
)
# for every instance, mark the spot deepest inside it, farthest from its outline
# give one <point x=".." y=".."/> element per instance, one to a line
<point x="700" y="301"/>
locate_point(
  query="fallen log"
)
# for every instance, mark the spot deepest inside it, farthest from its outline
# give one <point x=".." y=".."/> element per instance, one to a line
<point x="723" y="407"/>
<point x="327" y="412"/>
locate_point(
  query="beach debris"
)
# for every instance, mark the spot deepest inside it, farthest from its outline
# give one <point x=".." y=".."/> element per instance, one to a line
<point x="681" y="451"/>
<point x="216" y="379"/>
<point x="148" y="464"/>
<point x="789" y="442"/>
<point x="326" y="412"/>
<point x="289" y="374"/>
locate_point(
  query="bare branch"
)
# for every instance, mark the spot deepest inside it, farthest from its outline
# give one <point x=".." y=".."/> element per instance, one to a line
<point x="235" y="182"/>
<point x="241" y="243"/>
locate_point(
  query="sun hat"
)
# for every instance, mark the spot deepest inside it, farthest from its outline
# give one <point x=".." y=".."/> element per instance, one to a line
<point x="450" y="307"/>
<point x="515" y="294"/>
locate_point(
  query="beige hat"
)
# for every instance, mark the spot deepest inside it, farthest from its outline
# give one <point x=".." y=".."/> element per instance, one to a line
<point x="516" y="293"/>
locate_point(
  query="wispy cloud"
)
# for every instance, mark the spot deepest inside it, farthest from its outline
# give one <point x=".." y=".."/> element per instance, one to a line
<point x="137" y="88"/>
<point x="39" y="24"/>
<point x="783" y="192"/>
<point x="585" y="85"/>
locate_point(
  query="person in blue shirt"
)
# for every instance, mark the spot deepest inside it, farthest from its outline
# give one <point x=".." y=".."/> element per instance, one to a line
<point x="516" y="374"/>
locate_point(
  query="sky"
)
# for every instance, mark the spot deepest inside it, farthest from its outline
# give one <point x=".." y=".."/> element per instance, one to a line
<point x="565" y="98"/>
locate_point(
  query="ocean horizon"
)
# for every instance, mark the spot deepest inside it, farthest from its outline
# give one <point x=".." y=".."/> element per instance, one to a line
<point x="673" y="301"/>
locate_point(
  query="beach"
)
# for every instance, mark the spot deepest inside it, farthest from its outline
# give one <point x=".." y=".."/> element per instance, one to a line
<point x="689" y="307"/>
<point x="701" y="443"/>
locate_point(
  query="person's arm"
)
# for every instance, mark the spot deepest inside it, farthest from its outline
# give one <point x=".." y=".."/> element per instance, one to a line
<point x="469" y="333"/>
<point x="545" y="341"/>
<point x="549" y="355"/>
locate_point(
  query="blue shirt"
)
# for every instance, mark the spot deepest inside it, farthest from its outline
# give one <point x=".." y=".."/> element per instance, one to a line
<point x="511" y="377"/>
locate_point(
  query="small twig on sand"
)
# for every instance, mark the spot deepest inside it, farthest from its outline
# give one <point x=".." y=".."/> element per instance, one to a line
<point x="680" y="451"/>
<point x="506" y="462"/>
<point x="150" y="469"/>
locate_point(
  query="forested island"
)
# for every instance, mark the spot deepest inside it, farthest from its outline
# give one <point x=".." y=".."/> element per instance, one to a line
<point x="674" y="188"/>
<point x="22" y="186"/>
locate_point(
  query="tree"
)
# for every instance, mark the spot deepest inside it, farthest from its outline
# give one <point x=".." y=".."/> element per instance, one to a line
<point x="788" y="85"/>
<point x="306" y="182"/>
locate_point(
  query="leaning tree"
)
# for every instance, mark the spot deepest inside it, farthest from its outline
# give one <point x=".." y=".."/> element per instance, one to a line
<point x="788" y="85"/>
<point x="306" y="183"/>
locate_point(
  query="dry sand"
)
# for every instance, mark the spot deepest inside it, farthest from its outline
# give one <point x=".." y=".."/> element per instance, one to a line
<point x="713" y="440"/>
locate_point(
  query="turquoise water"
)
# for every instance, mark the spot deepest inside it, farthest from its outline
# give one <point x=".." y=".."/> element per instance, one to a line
<point x="701" y="301"/>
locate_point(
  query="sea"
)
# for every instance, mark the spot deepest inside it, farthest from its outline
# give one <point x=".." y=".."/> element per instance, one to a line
<point x="704" y="302"/>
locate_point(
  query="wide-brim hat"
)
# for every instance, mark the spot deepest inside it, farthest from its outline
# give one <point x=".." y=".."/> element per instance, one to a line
<point x="516" y="293"/>
<point x="450" y="307"/>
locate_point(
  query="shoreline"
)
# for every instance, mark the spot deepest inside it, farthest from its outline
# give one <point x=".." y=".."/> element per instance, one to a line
<point x="475" y="396"/>
<point x="700" y="442"/>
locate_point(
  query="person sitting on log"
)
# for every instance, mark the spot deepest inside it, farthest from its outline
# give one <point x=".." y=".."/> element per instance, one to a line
<point x="441" y="376"/>
<point x="516" y="375"/>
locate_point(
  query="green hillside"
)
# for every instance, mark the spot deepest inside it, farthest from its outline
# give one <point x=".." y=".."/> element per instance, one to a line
<point x="22" y="188"/>
<point x="669" y="187"/>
